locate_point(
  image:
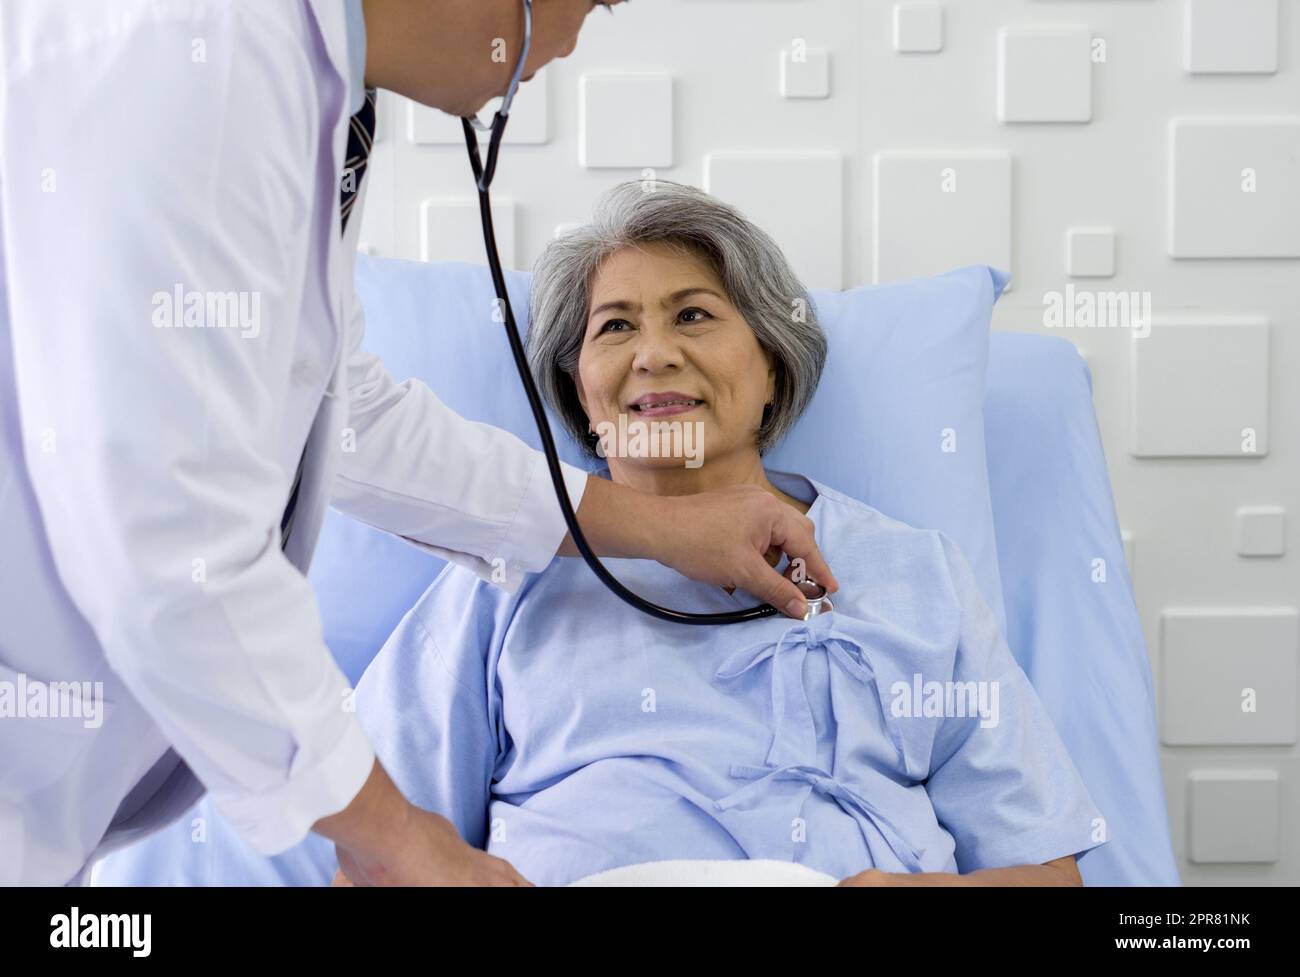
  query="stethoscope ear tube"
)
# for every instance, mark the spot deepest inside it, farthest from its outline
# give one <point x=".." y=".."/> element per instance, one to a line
<point x="483" y="179"/>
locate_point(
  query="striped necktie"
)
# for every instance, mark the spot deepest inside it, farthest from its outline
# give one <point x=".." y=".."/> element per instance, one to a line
<point x="361" y="137"/>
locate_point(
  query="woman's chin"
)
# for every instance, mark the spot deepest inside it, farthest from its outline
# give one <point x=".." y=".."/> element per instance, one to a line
<point x="633" y="468"/>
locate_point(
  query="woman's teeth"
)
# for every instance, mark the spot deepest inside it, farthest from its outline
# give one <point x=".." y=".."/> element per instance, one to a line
<point x="667" y="403"/>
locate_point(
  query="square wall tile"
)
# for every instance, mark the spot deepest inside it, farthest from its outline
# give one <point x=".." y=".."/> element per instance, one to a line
<point x="1261" y="530"/>
<point x="1200" y="389"/>
<point x="450" y="230"/>
<point x="1233" y="816"/>
<point x="625" y="120"/>
<point x="1228" y="676"/>
<point x="1090" y="252"/>
<point x="918" y="27"/>
<point x="1045" y="74"/>
<point x="528" y="123"/>
<point x="806" y="216"/>
<point x="1230" y="36"/>
<point x="938" y="211"/>
<point x="1234" y="187"/>
<point x="805" y="73"/>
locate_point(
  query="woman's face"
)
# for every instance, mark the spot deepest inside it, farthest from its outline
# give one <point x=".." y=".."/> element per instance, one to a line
<point x="661" y="328"/>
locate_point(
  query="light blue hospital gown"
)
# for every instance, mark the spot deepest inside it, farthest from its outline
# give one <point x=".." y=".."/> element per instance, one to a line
<point x="569" y="733"/>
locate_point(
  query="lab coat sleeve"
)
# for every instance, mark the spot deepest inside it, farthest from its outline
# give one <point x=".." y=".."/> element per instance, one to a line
<point x="153" y="441"/>
<point x="428" y="706"/>
<point x="1007" y="792"/>
<point x="466" y="491"/>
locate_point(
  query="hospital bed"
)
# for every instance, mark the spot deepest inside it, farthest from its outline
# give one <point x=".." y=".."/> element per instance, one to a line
<point x="1080" y="644"/>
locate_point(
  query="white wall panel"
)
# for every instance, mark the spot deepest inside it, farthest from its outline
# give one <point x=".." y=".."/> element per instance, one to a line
<point x="1234" y="188"/>
<point x="625" y="120"/>
<point x="806" y="218"/>
<point x="1045" y="74"/>
<point x="1229" y="676"/>
<point x="939" y="211"/>
<point x="1231" y="36"/>
<point x="1233" y="816"/>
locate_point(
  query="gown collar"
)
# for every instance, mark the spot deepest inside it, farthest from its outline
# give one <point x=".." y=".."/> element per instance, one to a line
<point x="794" y="485"/>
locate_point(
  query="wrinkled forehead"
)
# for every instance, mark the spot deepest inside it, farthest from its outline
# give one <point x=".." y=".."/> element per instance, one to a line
<point x="649" y="272"/>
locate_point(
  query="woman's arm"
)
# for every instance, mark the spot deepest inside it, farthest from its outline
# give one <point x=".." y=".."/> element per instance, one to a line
<point x="426" y="705"/>
<point x="1059" y="871"/>
<point x="1003" y="785"/>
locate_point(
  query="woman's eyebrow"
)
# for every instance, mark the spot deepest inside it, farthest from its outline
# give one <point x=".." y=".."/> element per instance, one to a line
<point x="677" y="296"/>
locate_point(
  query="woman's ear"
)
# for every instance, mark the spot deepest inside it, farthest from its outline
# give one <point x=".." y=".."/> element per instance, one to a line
<point x="582" y="401"/>
<point x="582" y="394"/>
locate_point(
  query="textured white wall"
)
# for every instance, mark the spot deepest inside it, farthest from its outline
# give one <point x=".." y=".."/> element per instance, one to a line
<point x="1163" y="160"/>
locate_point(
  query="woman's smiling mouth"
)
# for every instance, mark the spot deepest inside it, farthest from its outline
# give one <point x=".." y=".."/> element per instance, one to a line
<point x="664" y="404"/>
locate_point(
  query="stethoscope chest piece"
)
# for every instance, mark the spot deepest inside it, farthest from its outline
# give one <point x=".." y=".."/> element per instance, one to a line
<point x="819" y="602"/>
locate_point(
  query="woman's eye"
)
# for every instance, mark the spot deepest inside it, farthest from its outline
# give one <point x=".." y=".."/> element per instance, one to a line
<point x="703" y="315"/>
<point x="611" y="325"/>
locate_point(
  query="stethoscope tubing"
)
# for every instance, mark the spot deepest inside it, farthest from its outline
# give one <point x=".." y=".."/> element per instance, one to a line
<point x="483" y="181"/>
<point x="483" y="177"/>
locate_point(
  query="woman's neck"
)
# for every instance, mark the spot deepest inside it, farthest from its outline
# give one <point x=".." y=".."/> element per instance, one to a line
<point x="719" y="473"/>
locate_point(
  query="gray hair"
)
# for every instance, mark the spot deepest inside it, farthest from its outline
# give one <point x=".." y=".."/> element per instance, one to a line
<point x="758" y="280"/>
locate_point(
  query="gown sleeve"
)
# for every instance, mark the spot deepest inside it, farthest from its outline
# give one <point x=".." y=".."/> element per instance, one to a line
<point x="1002" y="783"/>
<point x="428" y="708"/>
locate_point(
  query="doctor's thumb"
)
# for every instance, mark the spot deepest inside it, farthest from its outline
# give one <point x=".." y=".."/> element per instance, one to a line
<point x="766" y="583"/>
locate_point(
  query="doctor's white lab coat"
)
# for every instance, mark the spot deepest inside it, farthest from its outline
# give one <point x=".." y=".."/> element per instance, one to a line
<point x="151" y="148"/>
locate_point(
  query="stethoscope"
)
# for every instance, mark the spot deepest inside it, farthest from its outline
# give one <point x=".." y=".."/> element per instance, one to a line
<point x="816" y="596"/>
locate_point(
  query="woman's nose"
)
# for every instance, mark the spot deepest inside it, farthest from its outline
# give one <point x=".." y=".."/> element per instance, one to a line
<point x="656" y="351"/>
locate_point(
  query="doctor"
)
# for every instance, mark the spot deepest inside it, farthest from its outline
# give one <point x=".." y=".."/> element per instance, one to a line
<point x="183" y="392"/>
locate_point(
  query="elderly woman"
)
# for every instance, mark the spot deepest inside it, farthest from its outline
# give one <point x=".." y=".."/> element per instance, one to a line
<point x="567" y="733"/>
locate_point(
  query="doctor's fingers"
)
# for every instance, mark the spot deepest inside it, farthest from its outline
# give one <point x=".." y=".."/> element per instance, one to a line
<point x="476" y="868"/>
<point x="795" y="533"/>
<point x="765" y="583"/>
<point x="508" y="876"/>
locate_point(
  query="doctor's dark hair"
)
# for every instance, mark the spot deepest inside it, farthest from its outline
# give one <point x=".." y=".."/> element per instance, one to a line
<point x="758" y="280"/>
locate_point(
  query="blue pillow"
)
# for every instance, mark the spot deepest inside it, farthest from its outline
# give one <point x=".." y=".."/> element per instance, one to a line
<point x="898" y="418"/>
<point x="897" y="421"/>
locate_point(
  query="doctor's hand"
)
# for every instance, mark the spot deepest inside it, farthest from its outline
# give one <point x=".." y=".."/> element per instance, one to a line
<point x="732" y="537"/>
<point x="437" y="856"/>
<point x="382" y="839"/>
